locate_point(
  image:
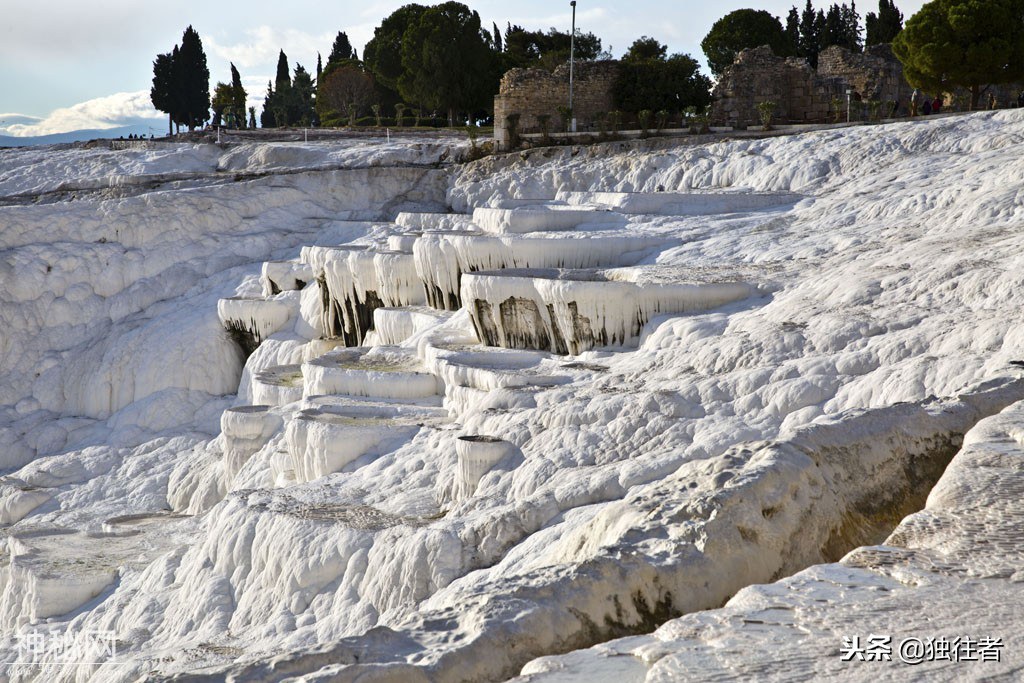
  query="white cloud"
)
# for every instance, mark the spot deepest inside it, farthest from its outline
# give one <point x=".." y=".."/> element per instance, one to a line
<point x="103" y="112"/>
<point x="262" y="44"/>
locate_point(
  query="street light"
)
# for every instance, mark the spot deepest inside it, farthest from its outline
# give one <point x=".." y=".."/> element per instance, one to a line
<point x="572" y="55"/>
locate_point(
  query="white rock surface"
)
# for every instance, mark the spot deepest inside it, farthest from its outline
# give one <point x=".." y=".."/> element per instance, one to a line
<point x="729" y="448"/>
<point x="679" y="203"/>
<point x="544" y="218"/>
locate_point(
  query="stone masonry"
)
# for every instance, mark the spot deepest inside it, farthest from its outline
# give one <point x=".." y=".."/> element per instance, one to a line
<point x="531" y="92"/>
<point x="801" y="94"/>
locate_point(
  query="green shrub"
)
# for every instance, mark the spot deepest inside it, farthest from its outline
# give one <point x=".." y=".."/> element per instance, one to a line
<point x="765" y="110"/>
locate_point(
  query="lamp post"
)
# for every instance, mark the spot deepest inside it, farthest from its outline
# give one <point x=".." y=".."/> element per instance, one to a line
<point x="572" y="55"/>
<point x="848" y="93"/>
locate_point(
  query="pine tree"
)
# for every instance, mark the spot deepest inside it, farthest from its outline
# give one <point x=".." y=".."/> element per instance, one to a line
<point x="446" y="63"/>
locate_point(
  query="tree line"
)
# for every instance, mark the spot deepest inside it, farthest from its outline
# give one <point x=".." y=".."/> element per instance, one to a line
<point x="947" y="44"/>
<point x="805" y="34"/>
<point x="421" y="61"/>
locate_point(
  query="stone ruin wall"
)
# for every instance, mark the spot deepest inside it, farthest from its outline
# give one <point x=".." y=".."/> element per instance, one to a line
<point x="801" y="94"/>
<point x="533" y="92"/>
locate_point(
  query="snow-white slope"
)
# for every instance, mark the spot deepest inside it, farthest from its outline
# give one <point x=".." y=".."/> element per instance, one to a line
<point x="726" y="444"/>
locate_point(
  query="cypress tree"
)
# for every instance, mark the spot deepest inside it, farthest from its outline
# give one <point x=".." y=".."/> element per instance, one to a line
<point x="809" y="39"/>
<point x="497" y="38"/>
<point x="300" y="109"/>
<point x="238" y="96"/>
<point x="267" y="115"/>
<point x="162" y="92"/>
<point x="341" y="50"/>
<point x="793" y="30"/>
<point x="319" y="68"/>
<point x="283" y="80"/>
<point x="193" y="79"/>
<point x="884" y="26"/>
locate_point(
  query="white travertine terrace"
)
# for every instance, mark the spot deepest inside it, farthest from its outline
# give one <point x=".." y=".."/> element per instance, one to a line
<point x="724" y="447"/>
<point x="381" y="372"/>
<point x="17" y="499"/>
<point x="403" y="242"/>
<point x="253" y="318"/>
<point x="246" y="429"/>
<point x="572" y="311"/>
<point x="680" y="203"/>
<point x="477" y="455"/>
<point x="355" y="281"/>
<point x="277" y="385"/>
<point x="280" y="276"/>
<point x="395" y="325"/>
<point x="442" y="257"/>
<point x="432" y="221"/>
<point x="325" y="440"/>
<point x="547" y="218"/>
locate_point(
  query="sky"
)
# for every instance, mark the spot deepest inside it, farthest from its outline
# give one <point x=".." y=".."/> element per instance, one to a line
<point x="68" y="64"/>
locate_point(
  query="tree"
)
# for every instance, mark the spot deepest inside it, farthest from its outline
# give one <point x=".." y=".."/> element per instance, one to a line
<point x="228" y="102"/>
<point x="267" y="119"/>
<point x="238" y="92"/>
<point x="181" y="83"/>
<point x="965" y="43"/>
<point x="341" y="50"/>
<point x="192" y="78"/>
<point x="222" y="103"/>
<point x="344" y="87"/>
<point x="497" y="37"/>
<point x="280" y="104"/>
<point x="645" y="48"/>
<point x="793" y="29"/>
<point x="546" y="50"/>
<point x="446" y="61"/>
<point x="810" y="34"/>
<point x="300" y="105"/>
<point x="743" y="29"/>
<point x="884" y="26"/>
<point x="252" y="118"/>
<point x="162" y="94"/>
<point x="849" y="37"/>
<point x="383" y="54"/>
<point x="671" y="84"/>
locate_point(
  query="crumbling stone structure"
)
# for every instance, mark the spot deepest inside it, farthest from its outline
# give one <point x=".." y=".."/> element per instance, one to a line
<point x="801" y="94"/>
<point x="534" y="92"/>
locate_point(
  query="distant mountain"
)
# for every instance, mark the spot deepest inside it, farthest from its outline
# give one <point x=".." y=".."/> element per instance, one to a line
<point x="157" y="127"/>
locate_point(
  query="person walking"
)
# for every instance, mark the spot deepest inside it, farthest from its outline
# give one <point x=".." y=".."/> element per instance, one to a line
<point x="915" y="101"/>
<point x="937" y="104"/>
<point x="926" y="108"/>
